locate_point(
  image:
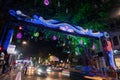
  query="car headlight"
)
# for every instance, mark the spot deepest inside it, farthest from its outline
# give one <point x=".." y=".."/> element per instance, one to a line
<point x="29" y="67"/>
<point x="48" y="70"/>
<point x="39" y="70"/>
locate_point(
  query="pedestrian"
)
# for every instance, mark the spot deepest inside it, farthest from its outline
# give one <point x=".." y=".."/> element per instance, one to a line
<point x="25" y="68"/>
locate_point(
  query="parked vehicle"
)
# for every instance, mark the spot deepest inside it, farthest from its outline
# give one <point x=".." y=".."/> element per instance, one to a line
<point x="78" y="72"/>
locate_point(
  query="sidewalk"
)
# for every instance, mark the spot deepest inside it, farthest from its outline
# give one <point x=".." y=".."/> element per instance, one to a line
<point x="9" y="75"/>
<point x="4" y="76"/>
<point x="99" y="78"/>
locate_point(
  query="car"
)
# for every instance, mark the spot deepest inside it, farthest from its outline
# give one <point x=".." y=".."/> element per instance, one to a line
<point x="41" y="70"/>
<point x="79" y="72"/>
<point x="49" y="69"/>
<point x="58" y="68"/>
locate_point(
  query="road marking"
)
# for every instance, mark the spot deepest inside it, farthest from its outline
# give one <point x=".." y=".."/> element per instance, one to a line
<point x="18" y="77"/>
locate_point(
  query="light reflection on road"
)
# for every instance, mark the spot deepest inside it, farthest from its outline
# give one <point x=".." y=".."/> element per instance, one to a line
<point x="51" y="76"/>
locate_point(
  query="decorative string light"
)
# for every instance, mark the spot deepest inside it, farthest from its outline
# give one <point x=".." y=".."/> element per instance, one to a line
<point x="36" y="34"/>
<point x="58" y="3"/>
<point x="20" y="27"/>
<point x="81" y="42"/>
<point x="63" y="44"/>
<point x="54" y="37"/>
<point x="66" y="10"/>
<point x="93" y="47"/>
<point x="19" y="35"/>
<point x="46" y="2"/>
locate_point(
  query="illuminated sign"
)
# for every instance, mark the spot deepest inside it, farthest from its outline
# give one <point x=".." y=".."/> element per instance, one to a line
<point x="11" y="49"/>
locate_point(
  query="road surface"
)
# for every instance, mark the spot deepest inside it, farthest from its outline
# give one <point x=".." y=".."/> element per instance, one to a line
<point x="50" y="76"/>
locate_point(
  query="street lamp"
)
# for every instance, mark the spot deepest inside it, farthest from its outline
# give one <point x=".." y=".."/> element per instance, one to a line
<point x="24" y="42"/>
<point x="15" y="52"/>
<point x="116" y="14"/>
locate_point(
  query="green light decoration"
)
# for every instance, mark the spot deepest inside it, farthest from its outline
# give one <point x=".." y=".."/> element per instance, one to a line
<point x="85" y="43"/>
<point x="36" y="34"/>
<point x="88" y="42"/>
<point x="77" y="51"/>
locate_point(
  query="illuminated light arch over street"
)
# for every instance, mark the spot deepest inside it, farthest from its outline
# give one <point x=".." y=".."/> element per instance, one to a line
<point x="56" y="25"/>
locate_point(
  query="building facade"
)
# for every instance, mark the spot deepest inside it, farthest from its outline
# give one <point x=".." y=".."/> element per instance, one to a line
<point x="115" y="40"/>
